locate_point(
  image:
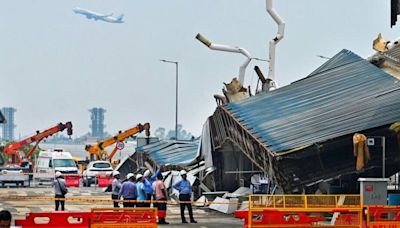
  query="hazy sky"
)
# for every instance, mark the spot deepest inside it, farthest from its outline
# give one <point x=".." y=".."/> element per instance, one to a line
<point x="55" y="65"/>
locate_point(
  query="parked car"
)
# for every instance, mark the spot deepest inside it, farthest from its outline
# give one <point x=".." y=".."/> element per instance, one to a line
<point x="93" y="170"/>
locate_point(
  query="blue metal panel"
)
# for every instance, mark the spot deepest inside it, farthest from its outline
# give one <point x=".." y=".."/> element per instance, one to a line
<point x="171" y="152"/>
<point x="345" y="95"/>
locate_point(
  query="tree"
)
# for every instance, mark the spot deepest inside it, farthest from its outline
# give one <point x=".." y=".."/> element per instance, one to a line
<point x="182" y="134"/>
<point x="160" y="133"/>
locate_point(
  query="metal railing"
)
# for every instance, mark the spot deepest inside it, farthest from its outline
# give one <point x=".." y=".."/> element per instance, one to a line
<point x="305" y="211"/>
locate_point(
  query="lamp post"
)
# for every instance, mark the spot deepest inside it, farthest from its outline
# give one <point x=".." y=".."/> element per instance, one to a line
<point x="176" y="95"/>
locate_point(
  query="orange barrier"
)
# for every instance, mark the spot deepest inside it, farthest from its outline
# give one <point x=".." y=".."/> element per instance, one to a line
<point x="96" y="218"/>
<point x="124" y="217"/>
<point x="56" y="219"/>
<point x="383" y="217"/>
<point x="72" y="181"/>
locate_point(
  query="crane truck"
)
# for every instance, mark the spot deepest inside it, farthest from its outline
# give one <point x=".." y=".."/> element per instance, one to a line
<point x="18" y="164"/>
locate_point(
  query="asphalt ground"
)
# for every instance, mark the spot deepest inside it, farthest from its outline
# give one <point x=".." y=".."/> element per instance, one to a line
<point x="204" y="216"/>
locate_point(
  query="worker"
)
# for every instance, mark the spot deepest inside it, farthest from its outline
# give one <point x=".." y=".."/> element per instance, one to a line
<point x="115" y="187"/>
<point x="141" y="194"/>
<point x="5" y="219"/>
<point x="60" y="190"/>
<point x="128" y="190"/>
<point x="148" y="185"/>
<point x="185" y="192"/>
<point x="161" y="197"/>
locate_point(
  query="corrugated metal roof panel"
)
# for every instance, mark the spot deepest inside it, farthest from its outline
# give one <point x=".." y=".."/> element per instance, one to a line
<point x="342" y="58"/>
<point x="347" y="94"/>
<point x="171" y="152"/>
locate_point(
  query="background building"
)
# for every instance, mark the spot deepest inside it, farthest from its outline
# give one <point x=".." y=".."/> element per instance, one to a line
<point x="97" y="126"/>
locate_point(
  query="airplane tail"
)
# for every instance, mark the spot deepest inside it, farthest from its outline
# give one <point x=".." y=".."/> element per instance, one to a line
<point x="120" y="18"/>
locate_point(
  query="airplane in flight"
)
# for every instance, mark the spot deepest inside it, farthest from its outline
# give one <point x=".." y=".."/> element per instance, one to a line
<point x="97" y="16"/>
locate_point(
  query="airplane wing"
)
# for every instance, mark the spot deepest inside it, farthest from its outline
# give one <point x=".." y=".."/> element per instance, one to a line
<point x="107" y="15"/>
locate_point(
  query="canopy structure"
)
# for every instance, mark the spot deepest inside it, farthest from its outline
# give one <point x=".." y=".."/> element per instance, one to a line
<point x="282" y="130"/>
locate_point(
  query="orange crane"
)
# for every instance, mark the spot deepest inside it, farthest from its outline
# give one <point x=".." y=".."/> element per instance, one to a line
<point x="13" y="148"/>
<point x="98" y="149"/>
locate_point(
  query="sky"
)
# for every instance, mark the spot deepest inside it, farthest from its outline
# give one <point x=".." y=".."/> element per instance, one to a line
<point x="55" y="65"/>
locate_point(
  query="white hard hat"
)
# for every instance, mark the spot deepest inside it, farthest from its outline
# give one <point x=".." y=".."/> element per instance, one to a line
<point x="115" y="173"/>
<point x="129" y="175"/>
<point x="146" y="173"/>
<point x="58" y="174"/>
<point x="138" y="176"/>
<point x="183" y="172"/>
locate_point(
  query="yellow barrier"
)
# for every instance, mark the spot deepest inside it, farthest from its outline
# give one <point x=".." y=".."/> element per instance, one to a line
<point x="304" y="202"/>
<point x="107" y="200"/>
<point x="305" y="211"/>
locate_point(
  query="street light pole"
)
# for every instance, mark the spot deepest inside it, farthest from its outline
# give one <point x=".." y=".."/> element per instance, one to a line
<point x="176" y="95"/>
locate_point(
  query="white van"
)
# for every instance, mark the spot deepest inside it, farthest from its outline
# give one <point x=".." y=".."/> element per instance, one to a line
<point x="51" y="161"/>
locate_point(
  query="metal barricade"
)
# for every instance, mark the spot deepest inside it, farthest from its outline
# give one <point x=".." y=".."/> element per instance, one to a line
<point x="124" y="217"/>
<point x="304" y="211"/>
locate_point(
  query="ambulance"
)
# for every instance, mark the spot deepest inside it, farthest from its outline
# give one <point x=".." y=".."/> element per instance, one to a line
<point x="51" y="161"/>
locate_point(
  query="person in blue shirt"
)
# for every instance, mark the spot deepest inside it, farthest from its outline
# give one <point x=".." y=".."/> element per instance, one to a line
<point x="148" y="185"/>
<point x="185" y="191"/>
<point x="115" y="187"/>
<point x="128" y="190"/>
<point x="141" y="194"/>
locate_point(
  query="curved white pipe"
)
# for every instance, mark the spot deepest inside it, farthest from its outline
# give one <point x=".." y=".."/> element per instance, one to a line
<point x="221" y="47"/>
<point x="272" y="44"/>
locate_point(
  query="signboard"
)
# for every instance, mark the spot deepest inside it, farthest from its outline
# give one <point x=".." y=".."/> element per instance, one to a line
<point x="120" y="145"/>
<point x="371" y="142"/>
<point x="369" y="188"/>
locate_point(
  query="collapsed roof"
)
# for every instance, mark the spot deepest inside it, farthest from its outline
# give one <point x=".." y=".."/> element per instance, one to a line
<point x="170" y="152"/>
<point x="345" y="95"/>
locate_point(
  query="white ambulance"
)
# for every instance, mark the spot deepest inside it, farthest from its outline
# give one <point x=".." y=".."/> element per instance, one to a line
<point x="51" y="161"/>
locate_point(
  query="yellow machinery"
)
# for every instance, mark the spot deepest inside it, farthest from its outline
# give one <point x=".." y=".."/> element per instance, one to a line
<point x="98" y="149"/>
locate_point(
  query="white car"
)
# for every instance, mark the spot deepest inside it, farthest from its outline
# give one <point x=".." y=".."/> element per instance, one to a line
<point x="94" y="169"/>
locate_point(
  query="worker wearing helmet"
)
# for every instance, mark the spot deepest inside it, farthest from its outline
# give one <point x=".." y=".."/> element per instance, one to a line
<point x="115" y="187"/>
<point x="185" y="192"/>
<point x="161" y="195"/>
<point x="148" y="185"/>
<point x="60" y="189"/>
<point x="141" y="194"/>
<point x="128" y="190"/>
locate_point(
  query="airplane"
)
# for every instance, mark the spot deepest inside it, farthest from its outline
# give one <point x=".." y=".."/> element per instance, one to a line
<point x="97" y="16"/>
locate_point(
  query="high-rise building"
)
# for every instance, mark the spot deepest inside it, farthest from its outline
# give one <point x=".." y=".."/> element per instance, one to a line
<point x="97" y="126"/>
<point x="8" y="126"/>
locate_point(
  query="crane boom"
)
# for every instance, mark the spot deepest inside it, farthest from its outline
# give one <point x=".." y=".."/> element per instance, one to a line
<point x="121" y="136"/>
<point x="14" y="147"/>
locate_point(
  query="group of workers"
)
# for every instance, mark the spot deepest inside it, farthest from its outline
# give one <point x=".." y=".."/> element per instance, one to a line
<point x="139" y="191"/>
<point x="142" y="189"/>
